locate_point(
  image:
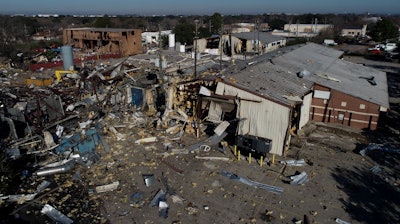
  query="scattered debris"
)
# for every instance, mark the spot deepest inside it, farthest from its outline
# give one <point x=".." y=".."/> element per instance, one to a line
<point x="179" y="171"/>
<point x="65" y="167"/>
<point x="293" y="162"/>
<point x="380" y="147"/>
<point x="337" y="220"/>
<point x="149" y="179"/>
<point x="211" y="141"/>
<point x="177" y="199"/>
<point x="55" y="215"/>
<point x="376" y="169"/>
<point x="212" y="158"/>
<point x="219" y="130"/>
<point x="163" y="209"/>
<point x="108" y="187"/>
<point x="67" y="120"/>
<point x="160" y="195"/>
<point x="137" y="200"/>
<point x="146" y="140"/>
<point x="299" y="179"/>
<point x="270" y="188"/>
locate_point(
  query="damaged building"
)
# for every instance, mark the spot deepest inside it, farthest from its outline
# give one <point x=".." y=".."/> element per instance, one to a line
<point x="277" y="94"/>
<point x="345" y="93"/>
<point x="126" y="42"/>
<point x="237" y="45"/>
<point x="260" y="42"/>
<point x="117" y="126"/>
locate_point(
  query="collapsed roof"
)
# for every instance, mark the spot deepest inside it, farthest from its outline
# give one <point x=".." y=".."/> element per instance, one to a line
<point x="276" y="75"/>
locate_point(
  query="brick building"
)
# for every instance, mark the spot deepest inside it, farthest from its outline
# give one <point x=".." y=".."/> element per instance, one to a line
<point x="105" y="40"/>
<point x="338" y="107"/>
<point x="343" y="92"/>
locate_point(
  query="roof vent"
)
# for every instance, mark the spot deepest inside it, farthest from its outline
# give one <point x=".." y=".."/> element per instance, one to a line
<point x="303" y="73"/>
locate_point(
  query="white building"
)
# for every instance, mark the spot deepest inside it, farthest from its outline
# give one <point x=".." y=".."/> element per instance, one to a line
<point x="153" y="37"/>
<point x="354" y="31"/>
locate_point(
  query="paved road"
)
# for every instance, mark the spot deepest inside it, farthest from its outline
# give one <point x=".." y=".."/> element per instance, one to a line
<point x="382" y="65"/>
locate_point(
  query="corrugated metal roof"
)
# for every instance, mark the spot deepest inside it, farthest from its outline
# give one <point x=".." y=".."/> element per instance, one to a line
<point x="268" y="80"/>
<point x="328" y="70"/>
<point x="313" y="57"/>
<point x="274" y="75"/>
<point x="262" y="36"/>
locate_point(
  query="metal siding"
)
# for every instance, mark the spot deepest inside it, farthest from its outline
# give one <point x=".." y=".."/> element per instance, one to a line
<point x="265" y="119"/>
<point x="215" y="111"/>
<point x="305" y="110"/>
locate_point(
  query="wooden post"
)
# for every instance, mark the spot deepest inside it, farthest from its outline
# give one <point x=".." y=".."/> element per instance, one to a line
<point x="197" y="130"/>
<point x="234" y="150"/>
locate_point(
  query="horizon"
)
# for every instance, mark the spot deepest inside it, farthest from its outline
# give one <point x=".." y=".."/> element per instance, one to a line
<point x="176" y="7"/>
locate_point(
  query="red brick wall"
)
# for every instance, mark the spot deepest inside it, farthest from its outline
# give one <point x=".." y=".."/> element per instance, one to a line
<point x="354" y="116"/>
<point x="125" y="42"/>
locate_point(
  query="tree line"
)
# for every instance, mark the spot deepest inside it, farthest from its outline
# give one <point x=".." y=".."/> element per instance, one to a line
<point x="15" y="31"/>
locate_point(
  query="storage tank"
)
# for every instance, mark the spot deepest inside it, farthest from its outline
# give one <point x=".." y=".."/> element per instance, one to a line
<point x="68" y="58"/>
<point x="182" y="48"/>
<point x="171" y="40"/>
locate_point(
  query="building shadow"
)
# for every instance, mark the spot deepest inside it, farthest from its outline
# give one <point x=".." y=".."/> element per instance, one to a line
<point x="373" y="193"/>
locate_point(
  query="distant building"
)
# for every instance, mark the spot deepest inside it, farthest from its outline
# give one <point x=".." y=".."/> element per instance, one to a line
<point x="105" y="40"/>
<point x="354" y="31"/>
<point x="239" y="44"/>
<point x="302" y="30"/>
<point x="245" y="27"/>
<point x="153" y="37"/>
<point x="48" y="15"/>
<point x="260" y="42"/>
<point x="43" y="36"/>
<point x="307" y="28"/>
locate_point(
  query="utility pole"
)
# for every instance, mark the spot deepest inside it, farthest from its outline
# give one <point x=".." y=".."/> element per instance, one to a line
<point x="220" y="47"/>
<point x="160" y="51"/>
<point x="316" y="25"/>
<point x="258" y="37"/>
<point x="195" y="48"/>
<point x="160" y="46"/>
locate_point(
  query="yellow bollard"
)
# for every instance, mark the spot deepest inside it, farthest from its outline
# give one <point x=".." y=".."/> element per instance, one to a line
<point x="234" y="150"/>
<point x="273" y="159"/>
<point x="261" y="161"/>
<point x="249" y="158"/>
<point x="239" y="155"/>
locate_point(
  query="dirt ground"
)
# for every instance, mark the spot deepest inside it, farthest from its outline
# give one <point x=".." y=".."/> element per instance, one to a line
<point x="341" y="183"/>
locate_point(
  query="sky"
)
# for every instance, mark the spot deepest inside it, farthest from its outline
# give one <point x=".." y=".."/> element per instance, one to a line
<point x="196" y="7"/>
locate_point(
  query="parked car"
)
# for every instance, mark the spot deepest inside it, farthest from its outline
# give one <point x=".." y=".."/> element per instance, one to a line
<point x="329" y="42"/>
<point x="375" y="51"/>
<point x="390" y="46"/>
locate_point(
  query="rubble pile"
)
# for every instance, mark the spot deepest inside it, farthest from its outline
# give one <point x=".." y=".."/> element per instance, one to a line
<point x="132" y="142"/>
<point x="72" y="128"/>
